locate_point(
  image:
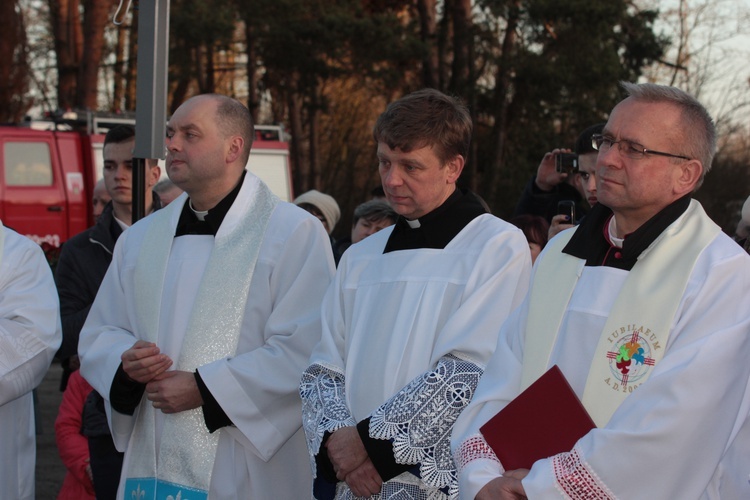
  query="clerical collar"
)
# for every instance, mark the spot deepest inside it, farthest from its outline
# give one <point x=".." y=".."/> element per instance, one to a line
<point x="593" y="243"/>
<point x="199" y="214"/>
<point x="439" y="227"/>
<point x="612" y="230"/>
<point x="191" y="223"/>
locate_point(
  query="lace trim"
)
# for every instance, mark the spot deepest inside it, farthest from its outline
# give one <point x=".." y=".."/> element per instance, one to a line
<point x="474" y="448"/>
<point x="575" y="478"/>
<point x="323" y="405"/>
<point x="403" y="487"/>
<point x="420" y="417"/>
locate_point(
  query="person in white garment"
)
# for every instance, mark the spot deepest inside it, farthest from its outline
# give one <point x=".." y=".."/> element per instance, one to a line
<point x="645" y="308"/>
<point x="30" y="334"/>
<point x="218" y="309"/>
<point x="411" y="317"/>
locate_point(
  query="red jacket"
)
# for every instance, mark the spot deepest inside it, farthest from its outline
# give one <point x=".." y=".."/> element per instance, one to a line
<point x="71" y="444"/>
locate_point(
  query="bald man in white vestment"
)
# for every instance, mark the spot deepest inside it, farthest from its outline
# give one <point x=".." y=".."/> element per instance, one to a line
<point x="645" y="308"/>
<point x="30" y="333"/>
<point x="204" y="322"/>
<point x="412" y="316"/>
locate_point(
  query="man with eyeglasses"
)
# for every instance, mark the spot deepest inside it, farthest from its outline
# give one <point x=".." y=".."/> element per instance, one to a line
<point x="645" y="309"/>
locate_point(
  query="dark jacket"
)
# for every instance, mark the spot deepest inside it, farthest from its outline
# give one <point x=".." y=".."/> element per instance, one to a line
<point x="84" y="261"/>
<point x="534" y="201"/>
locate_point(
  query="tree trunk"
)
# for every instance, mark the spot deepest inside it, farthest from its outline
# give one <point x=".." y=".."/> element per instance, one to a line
<point x="461" y="20"/>
<point x="428" y="33"/>
<point x="68" y="36"/>
<point x="314" y="140"/>
<point x="301" y="166"/>
<point x="95" y="15"/>
<point x="253" y="103"/>
<point x="118" y="92"/>
<point x="14" y="67"/>
<point x="502" y="87"/>
<point x="132" y="65"/>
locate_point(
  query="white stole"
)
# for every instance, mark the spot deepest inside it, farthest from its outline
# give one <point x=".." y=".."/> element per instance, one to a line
<point x="638" y="327"/>
<point x="187" y="450"/>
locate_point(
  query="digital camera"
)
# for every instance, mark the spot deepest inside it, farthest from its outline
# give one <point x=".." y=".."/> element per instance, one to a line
<point x="566" y="163"/>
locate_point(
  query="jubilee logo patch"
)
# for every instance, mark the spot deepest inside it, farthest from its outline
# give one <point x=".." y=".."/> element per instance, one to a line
<point x="630" y="356"/>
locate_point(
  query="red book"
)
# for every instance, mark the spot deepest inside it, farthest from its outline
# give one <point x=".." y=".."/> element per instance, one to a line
<point x="544" y="420"/>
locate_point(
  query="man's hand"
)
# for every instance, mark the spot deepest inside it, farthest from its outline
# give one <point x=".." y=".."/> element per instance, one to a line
<point x="346" y="451"/>
<point x="559" y="223"/>
<point x="547" y="177"/>
<point x="173" y="392"/>
<point x="507" y="487"/>
<point x="143" y="361"/>
<point x="364" y="481"/>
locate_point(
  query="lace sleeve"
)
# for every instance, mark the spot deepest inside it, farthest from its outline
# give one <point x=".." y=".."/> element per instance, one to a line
<point x="323" y="404"/>
<point x="473" y="448"/>
<point x="420" y="417"/>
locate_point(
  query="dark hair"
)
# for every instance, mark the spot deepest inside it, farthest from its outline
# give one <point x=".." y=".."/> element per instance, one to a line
<point x="583" y="143"/>
<point x="426" y="117"/>
<point x="233" y="118"/>
<point x="534" y="227"/>
<point x="123" y="133"/>
<point x="119" y="134"/>
<point x="374" y="211"/>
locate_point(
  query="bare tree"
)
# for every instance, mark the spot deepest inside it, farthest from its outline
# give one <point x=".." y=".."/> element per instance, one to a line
<point x="78" y="30"/>
<point x="14" y="67"/>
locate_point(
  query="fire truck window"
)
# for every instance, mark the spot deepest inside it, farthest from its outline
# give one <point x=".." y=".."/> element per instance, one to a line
<point x="27" y="164"/>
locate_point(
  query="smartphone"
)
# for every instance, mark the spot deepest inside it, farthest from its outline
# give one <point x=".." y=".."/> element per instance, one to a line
<point x="567" y="207"/>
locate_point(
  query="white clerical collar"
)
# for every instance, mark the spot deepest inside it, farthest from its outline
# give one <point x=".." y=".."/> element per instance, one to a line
<point x="612" y="231"/>
<point x="200" y="214"/>
<point x="414" y="224"/>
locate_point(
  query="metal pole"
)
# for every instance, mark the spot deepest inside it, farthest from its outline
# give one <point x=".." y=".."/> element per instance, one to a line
<point x="151" y="94"/>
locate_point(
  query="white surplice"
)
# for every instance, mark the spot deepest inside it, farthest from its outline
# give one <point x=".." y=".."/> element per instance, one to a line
<point x="684" y="433"/>
<point x="390" y="318"/>
<point x="30" y="334"/>
<point x="263" y="454"/>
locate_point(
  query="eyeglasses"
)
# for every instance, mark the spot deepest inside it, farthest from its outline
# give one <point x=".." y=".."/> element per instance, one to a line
<point x="628" y="148"/>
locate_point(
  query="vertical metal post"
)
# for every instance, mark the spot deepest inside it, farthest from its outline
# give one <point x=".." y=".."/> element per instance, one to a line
<point x="151" y="94"/>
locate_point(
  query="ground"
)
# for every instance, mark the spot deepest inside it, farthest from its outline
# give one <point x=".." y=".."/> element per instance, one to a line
<point x="50" y="470"/>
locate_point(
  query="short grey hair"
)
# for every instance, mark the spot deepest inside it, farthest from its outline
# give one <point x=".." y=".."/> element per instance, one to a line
<point x="374" y="211"/>
<point x="699" y="132"/>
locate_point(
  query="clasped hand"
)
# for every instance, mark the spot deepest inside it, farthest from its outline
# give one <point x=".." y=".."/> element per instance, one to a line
<point x="168" y="391"/>
<point x="351" y="462"/>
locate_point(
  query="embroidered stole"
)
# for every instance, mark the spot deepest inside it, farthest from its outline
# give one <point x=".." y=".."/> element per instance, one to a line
<point x="638" y="327"/>
<point x="187" y="450"/>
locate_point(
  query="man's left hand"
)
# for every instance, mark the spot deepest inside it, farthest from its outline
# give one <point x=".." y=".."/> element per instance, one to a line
<point x="174" y="391"/>
<point x="345" y="451"/>
<point x="506" y="487"/>
<point x="364" y="481"/>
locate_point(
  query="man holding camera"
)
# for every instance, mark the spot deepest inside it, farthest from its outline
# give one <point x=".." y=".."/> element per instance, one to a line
<point x="563" y="176"/>
<point x="554" y="181"/>
<point x="584" y="173"/>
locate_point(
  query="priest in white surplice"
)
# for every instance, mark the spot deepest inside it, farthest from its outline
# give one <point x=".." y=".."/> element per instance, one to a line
<point x="204" y="322"/>
<point x="645" y="307"/>
<point x="412" y="316"/>
<point x="30" y="334"/>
